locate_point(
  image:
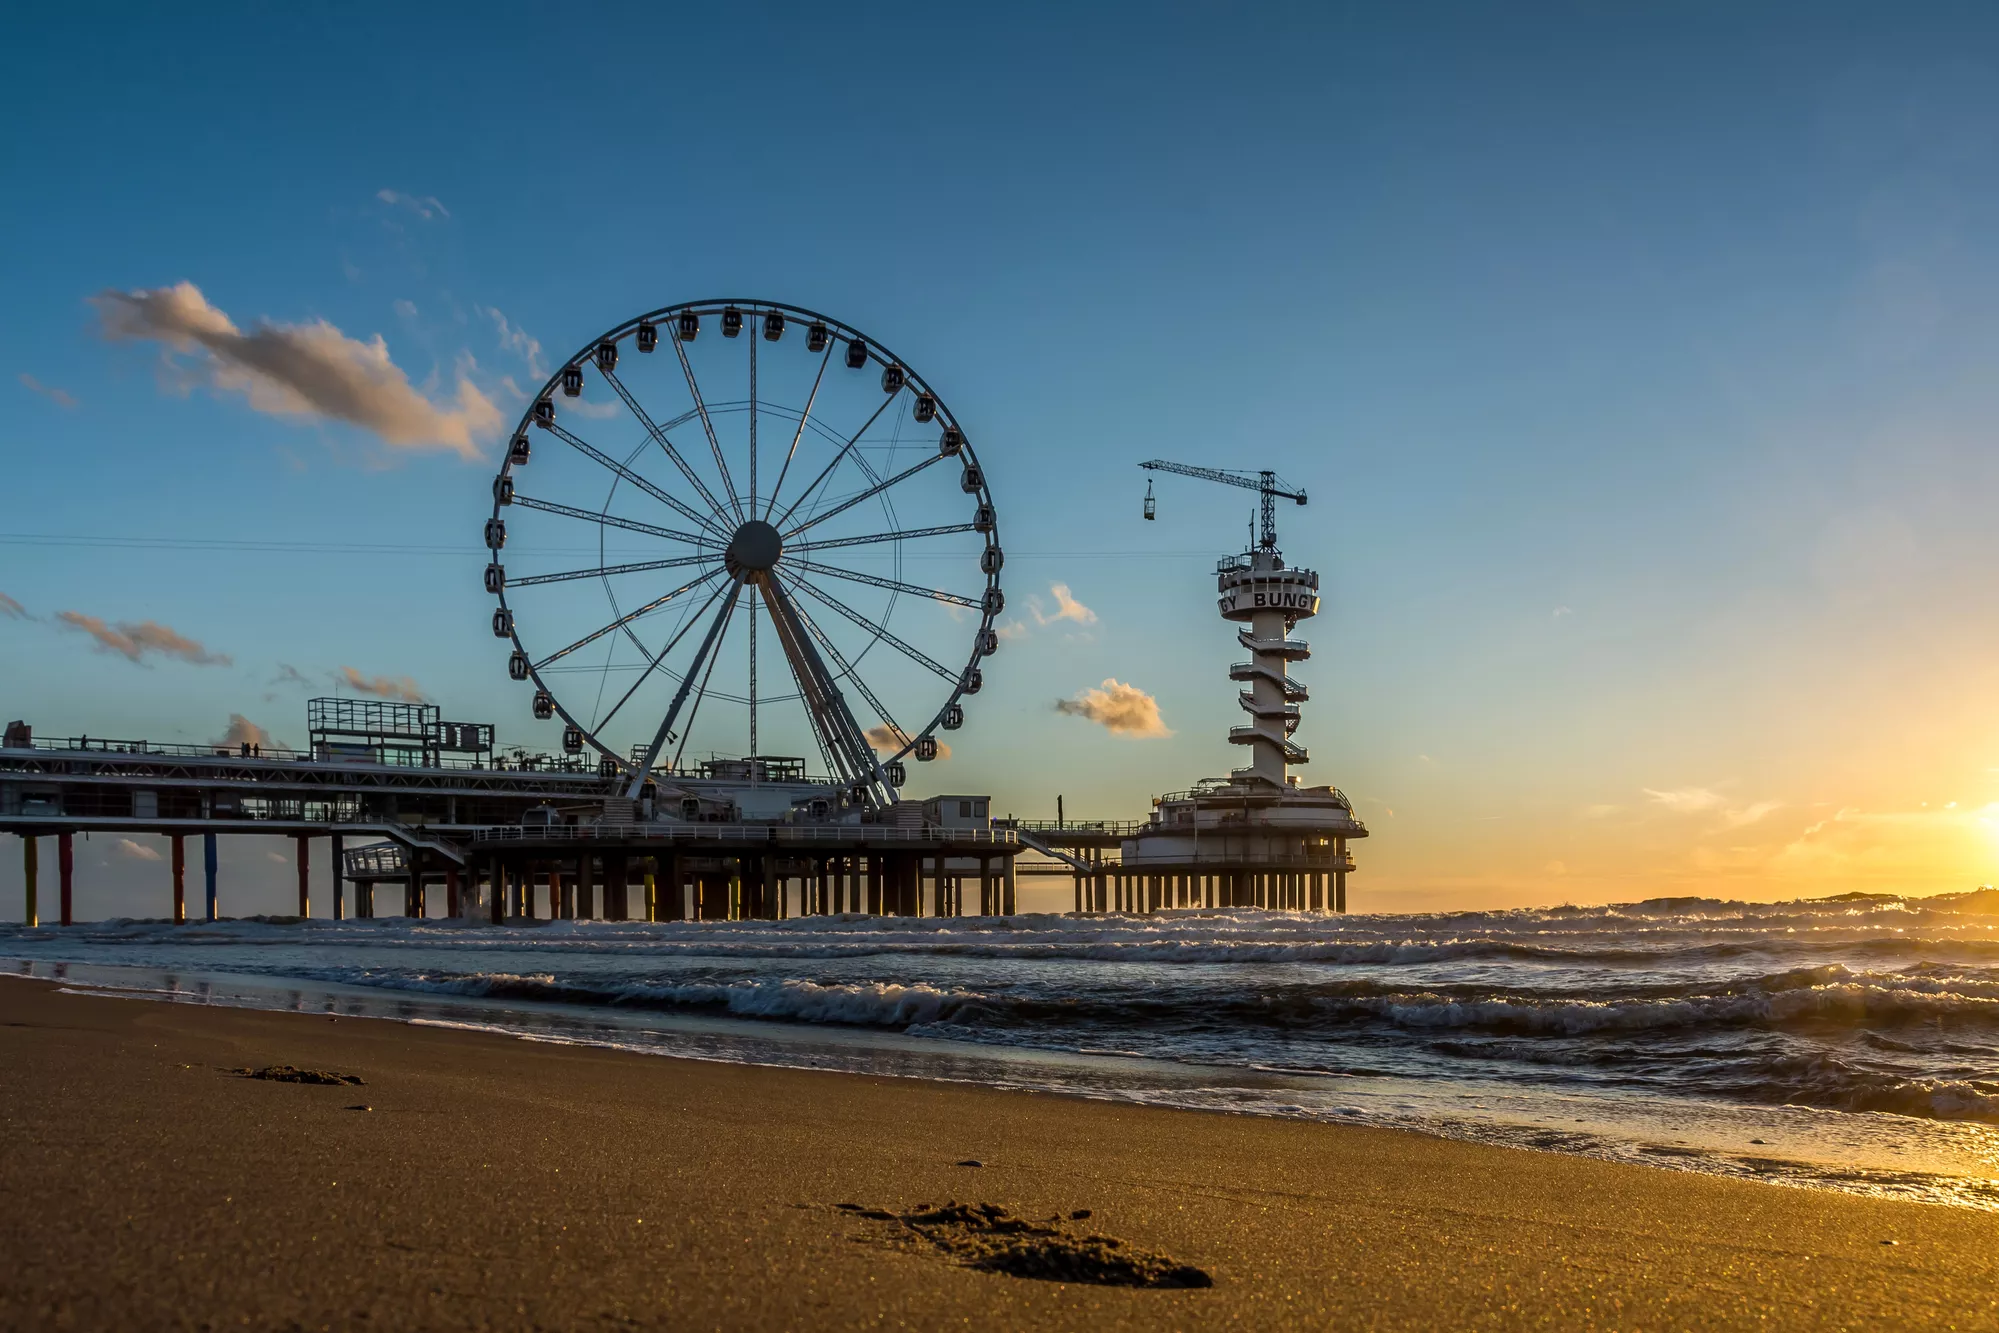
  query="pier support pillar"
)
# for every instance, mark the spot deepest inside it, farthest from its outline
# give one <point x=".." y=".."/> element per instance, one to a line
<point x="672" y="887"/>
<point x="453" y="903"/>
<point x="208" y="867"/>
<point x="496" y="907"/>
<point x="177" y="858"/>
<point x="336" y="860"/>
<point x="304" y="845"/>
<point x="586" y="890"/>
<point x="66" y="873"/>
<point x="31" y="910"/>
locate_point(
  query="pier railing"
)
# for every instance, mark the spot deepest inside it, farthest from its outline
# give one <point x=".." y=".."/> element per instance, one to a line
<point x="616" y="831"/>
<point x="1122" y="827"/>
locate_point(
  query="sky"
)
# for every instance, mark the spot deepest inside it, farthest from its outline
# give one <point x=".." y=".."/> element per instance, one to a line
<point x="1636" y="364"/>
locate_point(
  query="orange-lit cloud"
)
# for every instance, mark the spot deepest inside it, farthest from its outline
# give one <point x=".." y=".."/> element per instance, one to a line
<point x="134" y="851"/>
<point x="1066" y="608"/>
<point x="1122" y="710"/>
<point x="133" y="641"/>
<point x="242" y="731"/>
<point x="11" y="608"/>
<point x="400" y="688"/>
<point x="887" y="741"/>
<point x="300" y="370"/>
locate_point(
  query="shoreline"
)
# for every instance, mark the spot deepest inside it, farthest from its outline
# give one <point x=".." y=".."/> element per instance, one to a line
<point x="497" y="1181"/>
<point x="1916" y="1160"/>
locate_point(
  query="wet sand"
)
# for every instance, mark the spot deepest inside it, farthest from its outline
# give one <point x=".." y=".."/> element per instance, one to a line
<point x="498" y="1183"/>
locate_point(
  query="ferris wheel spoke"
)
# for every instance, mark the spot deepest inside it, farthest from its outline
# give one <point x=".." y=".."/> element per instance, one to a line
<point x="906" y="534"/>
<point x="661" y="656"/>
<point x="754" y="340"/>
<point x="686" y="684"/>
<point x="753" y="669"/>
<point x="879" y="631"/>
<point x="845" y="449"/>
<point x="867" y="494"/>
<point x="701" y="694"/>
<point x="659" y="435"/>
<point x="879" y="581"/>
<point x="796" y="435"/>
<point x="624" y="620"/>
<point x="612" y="520"/>
<point x="639" y="567"/>
<point x="701" y="407"/>
<point x="672" y="502"/>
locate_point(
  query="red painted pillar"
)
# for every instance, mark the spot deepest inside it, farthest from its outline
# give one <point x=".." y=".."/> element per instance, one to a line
<point x="304" y="875"/>
<point x="66" y="870"/>
<point x="180" y="878"/>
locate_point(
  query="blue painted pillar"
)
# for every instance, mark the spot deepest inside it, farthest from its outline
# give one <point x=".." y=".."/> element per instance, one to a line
<point x="208" y="864"/>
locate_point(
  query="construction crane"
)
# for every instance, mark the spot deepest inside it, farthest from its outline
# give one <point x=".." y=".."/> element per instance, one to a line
<point x="1265" y="483"/>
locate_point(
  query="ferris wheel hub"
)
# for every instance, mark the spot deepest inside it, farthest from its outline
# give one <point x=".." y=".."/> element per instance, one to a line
<point x="754" y="549"/>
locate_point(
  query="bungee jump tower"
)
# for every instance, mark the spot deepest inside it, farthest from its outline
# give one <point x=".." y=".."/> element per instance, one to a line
<point x="1256" y="838"/>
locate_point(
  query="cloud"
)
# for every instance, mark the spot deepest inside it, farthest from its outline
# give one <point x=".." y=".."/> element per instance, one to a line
<point x="290" y="675"/>
<point x="1122" y="710"/>
<point x="1561" y="611"/>
<point x="134" y="851"/>
<point x="385" y="687"/>
<point x="60" y="397"/>
<point x="133" y="641"/>
<point x="10" y="607"/>
<point x="886" y="740"/>
<point x="1066" y="608"/>
<point x="1687" y="800"/>
<point x="1750" y="814"/>
<point x="299" y="370"/>
<point x="242" y="731"/>
<point x="1701" y="800"/>
<point x="424" y="206"/>
<point x="406" y="309"/>
<point x="1013" y="629"/>
<point x="517" y="340"/>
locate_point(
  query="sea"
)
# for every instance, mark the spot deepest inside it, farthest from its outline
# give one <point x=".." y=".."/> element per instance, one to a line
<point x="1847" y="1044"/>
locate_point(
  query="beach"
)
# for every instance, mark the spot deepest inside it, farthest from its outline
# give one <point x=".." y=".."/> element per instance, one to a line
<point x="495" y="1182"/>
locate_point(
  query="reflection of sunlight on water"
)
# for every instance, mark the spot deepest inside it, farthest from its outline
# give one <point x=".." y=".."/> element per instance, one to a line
<point x="1943" y="1162"/>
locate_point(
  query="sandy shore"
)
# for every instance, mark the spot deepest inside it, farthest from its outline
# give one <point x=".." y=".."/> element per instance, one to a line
<point x="508" y="1184"/>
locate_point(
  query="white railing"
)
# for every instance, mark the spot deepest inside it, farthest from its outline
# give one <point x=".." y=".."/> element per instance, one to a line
<point x="742" y="833"/>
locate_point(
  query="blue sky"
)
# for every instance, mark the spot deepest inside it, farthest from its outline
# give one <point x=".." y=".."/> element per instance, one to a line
<point x="1637" y="365"/>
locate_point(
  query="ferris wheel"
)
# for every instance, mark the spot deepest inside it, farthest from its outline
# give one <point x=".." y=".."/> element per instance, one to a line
<point x="742" y="528"/>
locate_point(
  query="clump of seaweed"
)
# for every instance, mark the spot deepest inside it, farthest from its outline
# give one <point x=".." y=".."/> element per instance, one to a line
<point x="293" y="1074"/>
<point x="988" y="1237"/>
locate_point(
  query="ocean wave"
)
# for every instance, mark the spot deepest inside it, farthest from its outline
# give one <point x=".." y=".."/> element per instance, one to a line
<point x="876" y="1004"/>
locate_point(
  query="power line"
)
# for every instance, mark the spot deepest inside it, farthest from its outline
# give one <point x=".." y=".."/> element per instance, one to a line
<point x="465" y="552"/>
